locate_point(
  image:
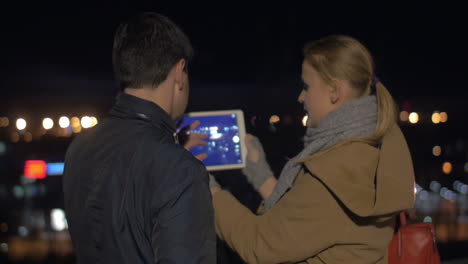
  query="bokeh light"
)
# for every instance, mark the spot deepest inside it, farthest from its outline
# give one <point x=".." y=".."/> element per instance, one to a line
<point x="274" y="119"/>
<point x="15" y="137"/>
<point x="86" y="122"/>
<point x="64" y="122"/>
<point x="436" y="151"/>
<point x="414" y="118"/>
<point x="436" y="118"/>
<point x="58" y="220"/>
<point x="443" y="117"/>
<point x="27" y="137"/>
<point x="404" y="116"/>
<point x="4" y="122"/>
<point x="94" y="121"/>
<point x="447" y="167"/>
<point x="47" y="123"/>
<point x="75" y="123"/>
<point x="21" y="124"/>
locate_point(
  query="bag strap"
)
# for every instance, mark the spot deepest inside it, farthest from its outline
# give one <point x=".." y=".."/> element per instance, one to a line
<point x="400" y="239"/>
<point x="402" y="219"/>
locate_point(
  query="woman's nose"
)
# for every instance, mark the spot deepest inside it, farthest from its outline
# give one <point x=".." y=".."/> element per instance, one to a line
<point x="300" y="99"/>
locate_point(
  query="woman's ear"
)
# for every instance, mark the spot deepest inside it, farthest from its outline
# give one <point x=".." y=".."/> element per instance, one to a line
<point x="335" y="91"/>
<point x="340" y="91"/>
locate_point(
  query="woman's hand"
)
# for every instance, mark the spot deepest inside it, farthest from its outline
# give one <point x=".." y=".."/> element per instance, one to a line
<point x="257" y="170"/>
<point x="214" y="185"/>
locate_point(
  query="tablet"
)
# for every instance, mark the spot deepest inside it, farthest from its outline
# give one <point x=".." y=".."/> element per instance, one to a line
<point x="226" y="129"/>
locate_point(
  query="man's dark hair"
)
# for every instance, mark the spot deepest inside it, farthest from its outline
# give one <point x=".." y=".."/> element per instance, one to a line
<point x="146" y="48"/>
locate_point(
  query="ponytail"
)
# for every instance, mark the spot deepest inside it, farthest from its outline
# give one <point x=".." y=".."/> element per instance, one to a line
<point x="386" y="117"/>
<point x="386" y="112"/>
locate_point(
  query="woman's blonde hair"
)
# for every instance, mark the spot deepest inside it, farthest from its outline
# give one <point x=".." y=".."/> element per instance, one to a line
<point x="345" y="58"/>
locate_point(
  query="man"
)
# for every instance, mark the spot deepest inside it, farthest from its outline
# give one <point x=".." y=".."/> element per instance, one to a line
<point x="132" y="193"/>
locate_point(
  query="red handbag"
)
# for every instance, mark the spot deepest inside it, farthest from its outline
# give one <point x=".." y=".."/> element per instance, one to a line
<point x="413" y="244"/>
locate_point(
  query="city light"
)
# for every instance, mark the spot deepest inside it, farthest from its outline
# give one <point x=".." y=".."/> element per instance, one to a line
<point x="448" y="194"/>
<point x="21" y="124"/>
<point x="75" y="123"/>
<point x="23" y="231"/>
<point x="404" y="116"/>
<point x="435" y="186"/>
<point x="35" y="169"/>
<point x="64" y="122"/>
<point x="4" y="122"/>
<point x="414" y="118"/>
<point x="304" y="120"/>
<point x="436" y="151"/>
<point x="15" y="137"/>
<point x="436" y="118"/>
<point x="55" y="168"/>
<point x="58" y="220"/>
<point x="86" y="122"/>
<point x="47" y="123"/>
<point x="94" y="121"/>
<point x="447" y="167"/>
<point x="274" y="119"/>
<point x="443" y="117"/>
<point x="18" y="191"/>
<point x="423" y="195"/>
<point x="464" y="189"/>
<point x="458" y="185"/>
<point x="28" y="137"/>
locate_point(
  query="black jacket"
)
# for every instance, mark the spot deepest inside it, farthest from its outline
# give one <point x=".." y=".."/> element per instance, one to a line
<point x="133" y="195"/>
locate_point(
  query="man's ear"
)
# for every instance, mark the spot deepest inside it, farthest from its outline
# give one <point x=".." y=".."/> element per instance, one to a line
<point x="179" y="74"/>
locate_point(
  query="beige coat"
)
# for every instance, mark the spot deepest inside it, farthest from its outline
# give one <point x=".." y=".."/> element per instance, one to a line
<point x="340" y="209"/>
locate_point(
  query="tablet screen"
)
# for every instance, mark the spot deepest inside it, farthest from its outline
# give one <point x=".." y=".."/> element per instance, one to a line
<point x="224" y="147"/>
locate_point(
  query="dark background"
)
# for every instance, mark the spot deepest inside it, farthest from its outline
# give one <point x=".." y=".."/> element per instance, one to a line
<point x="54" y="52"/>
<point x="56" y="60"/>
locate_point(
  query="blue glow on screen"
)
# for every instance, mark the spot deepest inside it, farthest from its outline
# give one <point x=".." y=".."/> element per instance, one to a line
<point x="55" y="168"/>
<point x="224" y="140"/>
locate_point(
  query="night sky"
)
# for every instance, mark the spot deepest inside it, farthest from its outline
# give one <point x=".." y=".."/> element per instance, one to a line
<point x="56" y="61"/>
<point x="56" y="56"/>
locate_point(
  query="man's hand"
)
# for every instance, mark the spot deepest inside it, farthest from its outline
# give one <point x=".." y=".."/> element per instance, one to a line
<point x="190" y="140"/>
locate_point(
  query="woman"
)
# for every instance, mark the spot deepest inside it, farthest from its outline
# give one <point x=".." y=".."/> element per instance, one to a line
<point x="336" y="201"/>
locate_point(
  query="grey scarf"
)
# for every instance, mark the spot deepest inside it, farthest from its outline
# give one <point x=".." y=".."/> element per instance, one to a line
<point x="357" y="118"/>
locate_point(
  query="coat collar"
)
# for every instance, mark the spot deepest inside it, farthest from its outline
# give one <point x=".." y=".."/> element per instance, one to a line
<point x="132" y="107"/>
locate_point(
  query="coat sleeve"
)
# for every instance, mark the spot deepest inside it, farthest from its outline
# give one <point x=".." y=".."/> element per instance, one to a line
<point x="183" y="229"/>
<point x="294" y="230"/>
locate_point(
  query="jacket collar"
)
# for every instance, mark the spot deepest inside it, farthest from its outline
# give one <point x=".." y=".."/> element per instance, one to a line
<point x="132" y="107"/>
